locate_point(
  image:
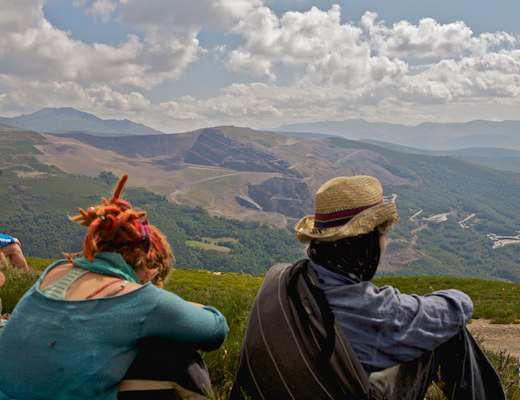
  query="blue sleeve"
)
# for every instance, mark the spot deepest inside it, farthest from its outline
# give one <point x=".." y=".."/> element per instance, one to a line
<point x="5" y="240"/>
<point x="421" y="323"/>
<point x="176" y="319"/>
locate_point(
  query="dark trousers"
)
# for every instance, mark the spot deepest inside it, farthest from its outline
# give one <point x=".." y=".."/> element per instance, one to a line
<point x="458" y="365"/>
<point x="164" y="370"/>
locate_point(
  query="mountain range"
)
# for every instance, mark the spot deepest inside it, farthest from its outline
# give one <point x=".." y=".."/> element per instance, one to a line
<point x="425" y="136"/>
<point x="432" y="136"/>
<point x="457" y="217"/>
<point x="70" y="120"/>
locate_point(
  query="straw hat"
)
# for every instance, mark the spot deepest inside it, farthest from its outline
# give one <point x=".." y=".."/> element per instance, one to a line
<point x="346" y="206"/>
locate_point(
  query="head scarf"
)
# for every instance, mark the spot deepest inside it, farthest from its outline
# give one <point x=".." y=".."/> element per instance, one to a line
<point x="355" y="257"/>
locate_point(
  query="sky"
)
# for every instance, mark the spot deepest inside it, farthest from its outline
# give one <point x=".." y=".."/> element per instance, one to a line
<point x="178" y="65"/>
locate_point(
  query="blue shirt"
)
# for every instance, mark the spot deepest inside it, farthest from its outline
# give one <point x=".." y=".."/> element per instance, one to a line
<point x="5" y="240"/>
<point x="81" y="349"/>
<point x="386" y="327"/>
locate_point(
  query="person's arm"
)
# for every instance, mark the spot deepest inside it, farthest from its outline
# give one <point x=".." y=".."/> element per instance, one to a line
<point x="421" y="323"/>
<point x="201" y="326"/>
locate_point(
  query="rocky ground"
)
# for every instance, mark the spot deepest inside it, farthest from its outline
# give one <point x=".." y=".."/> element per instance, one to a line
<point x="498" y="337"/>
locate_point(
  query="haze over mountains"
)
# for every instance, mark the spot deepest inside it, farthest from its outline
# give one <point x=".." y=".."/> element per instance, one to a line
<point x="433" y="136"/>
<point x="425" y="136"/>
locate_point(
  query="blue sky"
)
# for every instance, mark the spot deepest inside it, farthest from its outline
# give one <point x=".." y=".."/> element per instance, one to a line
<point x="177" y="65"/>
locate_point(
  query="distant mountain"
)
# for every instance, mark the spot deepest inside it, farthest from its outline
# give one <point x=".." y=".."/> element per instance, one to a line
<point x="493" y="157"/>
<point x="70" y="120"/>
<point x="491" y="152"/>
<point x="432" y="136"/>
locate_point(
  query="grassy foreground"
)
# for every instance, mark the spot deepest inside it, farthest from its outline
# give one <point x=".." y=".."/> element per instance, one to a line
<point x="233" y="295"/>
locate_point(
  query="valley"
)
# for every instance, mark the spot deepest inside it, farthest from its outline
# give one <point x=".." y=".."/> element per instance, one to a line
<point x="448" y="207"/>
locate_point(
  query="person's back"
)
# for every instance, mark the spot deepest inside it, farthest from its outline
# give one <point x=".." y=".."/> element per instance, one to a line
<point x="88" y="362"/>
<point x="93" y="357"/>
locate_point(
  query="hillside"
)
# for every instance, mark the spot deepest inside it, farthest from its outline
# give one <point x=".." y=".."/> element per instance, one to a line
<point x="449" y="213"/>
<point x="69" y="120"/>
<point x="233" y="295"/>
<point x="457" y="218"/>
<point x="37" y="200"/>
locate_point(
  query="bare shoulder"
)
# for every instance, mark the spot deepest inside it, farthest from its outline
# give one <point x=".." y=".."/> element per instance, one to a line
<point x="55" y="274"/>
<point x="130" y="287"/>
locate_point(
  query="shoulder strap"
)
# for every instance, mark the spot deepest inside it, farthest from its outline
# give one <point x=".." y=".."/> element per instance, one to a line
<point x="96" y="292"/>
<point x="58" y="289"/>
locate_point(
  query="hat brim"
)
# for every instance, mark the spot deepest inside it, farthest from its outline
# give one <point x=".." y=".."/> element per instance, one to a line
<point x="362" y="223"/>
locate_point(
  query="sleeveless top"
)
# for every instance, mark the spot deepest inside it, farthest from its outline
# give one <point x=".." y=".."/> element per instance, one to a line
<point x="58" y="289"/>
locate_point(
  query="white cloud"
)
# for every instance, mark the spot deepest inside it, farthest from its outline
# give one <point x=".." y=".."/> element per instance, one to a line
<point x="102" y="9"/>
<point x="430" y="39"/>
<point x="31" y="47"/>
<point x="341" y="70"/>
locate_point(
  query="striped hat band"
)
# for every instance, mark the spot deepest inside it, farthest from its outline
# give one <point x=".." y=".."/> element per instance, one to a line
<point x="338" y="218"/>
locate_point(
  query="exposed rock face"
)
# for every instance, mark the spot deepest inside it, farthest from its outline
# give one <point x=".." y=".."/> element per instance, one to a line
<point x="287" y="196"/>
<point x="215" y="148"/>
<point x="247" y="202"/>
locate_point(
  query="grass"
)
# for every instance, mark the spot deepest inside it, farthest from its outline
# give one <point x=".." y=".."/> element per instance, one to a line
<point x="220" y="240"/>
<point x="233" y="294"/>
<point x="207" y="246"/>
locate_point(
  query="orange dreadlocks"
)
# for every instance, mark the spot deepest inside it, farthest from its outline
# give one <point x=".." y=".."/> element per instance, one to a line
<point x="116" y="226"/>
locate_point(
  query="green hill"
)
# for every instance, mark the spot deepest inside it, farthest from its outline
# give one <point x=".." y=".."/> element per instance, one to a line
<point x="37" y="200"/>
<point x="448" y="185"/>
<point x="233" y="295"/>
<point x="253" y="249"/>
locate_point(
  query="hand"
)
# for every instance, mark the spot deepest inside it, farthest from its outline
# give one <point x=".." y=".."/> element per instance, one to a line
<point x="17" y="242"/>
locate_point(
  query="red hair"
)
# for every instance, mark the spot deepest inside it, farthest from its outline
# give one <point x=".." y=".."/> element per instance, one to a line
<point x="116" y="226"/>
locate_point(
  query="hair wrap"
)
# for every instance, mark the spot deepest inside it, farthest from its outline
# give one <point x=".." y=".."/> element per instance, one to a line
<point x="116" y="226"/>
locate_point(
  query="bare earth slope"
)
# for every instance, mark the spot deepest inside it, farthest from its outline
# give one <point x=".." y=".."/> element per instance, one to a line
<point x="251" y="175"/>
<point x="233" y="172"/>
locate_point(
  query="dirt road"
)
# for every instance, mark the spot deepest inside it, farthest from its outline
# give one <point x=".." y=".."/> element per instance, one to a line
<point x="497" y="337"/>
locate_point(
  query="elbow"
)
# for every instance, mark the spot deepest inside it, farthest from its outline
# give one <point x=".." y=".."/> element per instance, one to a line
<point x="218" y="337"/>
<point x="468" y="310"/>
<point x="219" y="333"/>
<point x="464" y="304"/>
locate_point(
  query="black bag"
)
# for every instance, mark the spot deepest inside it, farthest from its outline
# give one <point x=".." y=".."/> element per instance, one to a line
<point x="163" y="370"/>
<point x="292" y="348"/>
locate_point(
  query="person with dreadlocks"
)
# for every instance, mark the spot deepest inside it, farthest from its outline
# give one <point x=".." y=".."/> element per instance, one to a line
<point x="319" y="329"/>
<point x="76" y="333"/>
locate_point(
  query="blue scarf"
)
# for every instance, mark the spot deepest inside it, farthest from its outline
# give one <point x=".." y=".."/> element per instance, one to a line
<point x="108" y="263"/>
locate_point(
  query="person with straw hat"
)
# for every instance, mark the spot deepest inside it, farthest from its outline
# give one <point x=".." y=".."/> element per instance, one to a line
<point x="394" y="343"/>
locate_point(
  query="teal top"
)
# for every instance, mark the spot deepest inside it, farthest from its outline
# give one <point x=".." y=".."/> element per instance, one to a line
<point x="81" y="349"/>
